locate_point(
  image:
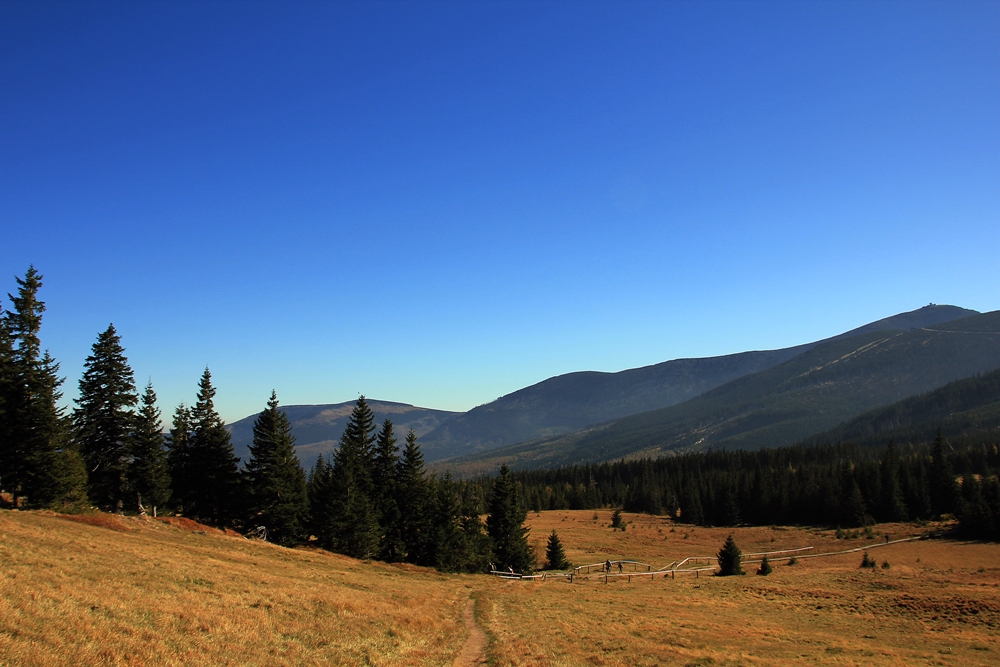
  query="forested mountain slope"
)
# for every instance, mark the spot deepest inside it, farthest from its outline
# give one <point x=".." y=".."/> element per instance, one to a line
<point x="961" y="409"/>
<point x="813" y="392"/>
<point x="317" y="428"/>
<point x="567" y="403"/>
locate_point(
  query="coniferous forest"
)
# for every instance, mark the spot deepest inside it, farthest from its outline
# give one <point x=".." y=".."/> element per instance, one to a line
<point x="835" y="485"/>
<point x="374" y="499"/>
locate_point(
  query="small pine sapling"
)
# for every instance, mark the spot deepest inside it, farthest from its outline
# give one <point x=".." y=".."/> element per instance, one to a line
<point x="616" y="519"/>
<point x="554" y="554"/>
<point x="868" y="562"/>
<point x="765" y="567"/>
<point x="793" y="561"/>
<point x="730" y="559"/>
<point x="885" y="564"/>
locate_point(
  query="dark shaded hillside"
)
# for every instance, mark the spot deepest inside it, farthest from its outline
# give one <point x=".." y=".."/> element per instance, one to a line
<point x="811" y="393"/>
<point x="317" y="428"/>
<point x="567" y="403"/>
<point x="965" y="408"/>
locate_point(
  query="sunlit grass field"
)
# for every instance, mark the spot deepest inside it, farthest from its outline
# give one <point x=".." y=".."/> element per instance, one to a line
<point x="146" y="593"/>
<point x="937" y="603"/>
<point x="130" y="592"/>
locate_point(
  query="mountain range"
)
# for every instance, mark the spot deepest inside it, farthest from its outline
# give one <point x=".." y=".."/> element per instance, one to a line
<point x="834" y="381"/>
<point x="571" y="402"/>
<point x="749" y="399"/>
<point x="317" y="428"/>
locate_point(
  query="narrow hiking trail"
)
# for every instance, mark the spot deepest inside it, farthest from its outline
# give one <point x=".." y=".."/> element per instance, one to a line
<point x="474" y="650"/>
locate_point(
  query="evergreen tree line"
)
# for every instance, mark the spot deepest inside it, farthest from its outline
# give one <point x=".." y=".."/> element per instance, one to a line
<point x="369" y="500"/>
<point x="839" y="484"/>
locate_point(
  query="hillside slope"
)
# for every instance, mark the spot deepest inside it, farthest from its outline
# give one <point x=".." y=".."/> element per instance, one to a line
<point x="570" y="402"/>
<point x="317" y="428"/>
<point x="964" y="408"/>
<point x="102" y="590"/>
<point x="815" y="391"/>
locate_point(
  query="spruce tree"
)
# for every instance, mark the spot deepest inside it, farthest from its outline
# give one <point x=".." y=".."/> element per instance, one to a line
<point x="355" y="525"/>
<point x="944" y="488"/>
<point x="555" y="557"/>
<point x="7" y="385"/>
<point x="412" y="493"/>
<point x="505" y="525"/>
<point x="43" y="464"/>
<point x="103" y="421"/>
<point x="692" y="511"/>
<point x="179" y="459"/>
<point x="893" y="507"/>
<point x="214" y="475"/>
<point x="276" y="484"/>
<point x="150" y="479"/>
<point x="384" y="464"/>
<point x="765" y="567"/>
<point x="730" y="559"/>
<point x="477" y="542"/>
<point x="319" y="489"/>
<point x="448" y="539"/>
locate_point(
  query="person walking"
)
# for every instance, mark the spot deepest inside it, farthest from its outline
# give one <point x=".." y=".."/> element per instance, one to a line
<point x="607" y="566"/>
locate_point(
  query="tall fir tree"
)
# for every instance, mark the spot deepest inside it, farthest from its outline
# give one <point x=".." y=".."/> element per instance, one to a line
<point x="149" y="475"/>
<point x="449" y="540"/>
<point x="384" y="463"/>
<point x="477" y="542"/>
<point x="412" y="494"/>
<point x="179" y="459"/>
<point x="7" y="385"/>
<point x="103" y="421"/>
<point x="892" y="506"/>
<point x="355" y="524"/>
<point x="692" y="510"/>
<point x="276" y="484"/>
<point x="322" y="503"/>
<point x="505" y="525"/>
<point x="944" y="487"/>
<point x="215" y="492"/>
<point x="42" y="465"/>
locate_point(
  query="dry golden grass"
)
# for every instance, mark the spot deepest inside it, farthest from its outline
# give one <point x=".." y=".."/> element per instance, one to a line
<point x="147" y="593"/>
<point x="101" y="590"/>
<point x="938" y="604"/>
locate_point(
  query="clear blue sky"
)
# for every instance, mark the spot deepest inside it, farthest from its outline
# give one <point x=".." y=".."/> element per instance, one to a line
<point x="440" y="203"/>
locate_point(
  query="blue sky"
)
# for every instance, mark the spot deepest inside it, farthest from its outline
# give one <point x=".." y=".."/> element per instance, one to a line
<point x="440" y="203"/>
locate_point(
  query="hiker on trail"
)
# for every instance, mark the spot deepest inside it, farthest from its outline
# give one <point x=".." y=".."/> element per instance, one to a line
<point x="887" y="538"/>
<point x="619" y="567"/>
<point x="607" y="566"/>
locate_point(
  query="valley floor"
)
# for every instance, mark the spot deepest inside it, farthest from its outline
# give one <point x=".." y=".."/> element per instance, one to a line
<point x="131" y="592"/>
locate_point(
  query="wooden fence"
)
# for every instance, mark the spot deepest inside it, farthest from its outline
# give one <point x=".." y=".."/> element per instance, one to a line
<point x="678" y="567"/>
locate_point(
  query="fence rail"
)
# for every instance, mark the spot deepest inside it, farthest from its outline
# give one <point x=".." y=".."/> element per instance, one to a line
<point x="677" y="567"/>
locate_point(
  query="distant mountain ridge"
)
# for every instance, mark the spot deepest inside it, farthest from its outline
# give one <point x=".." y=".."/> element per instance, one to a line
<point x="570" y="402"/>
<point x="808" y="394"/>
<point x="562" y="405"/>
<point x="317" y="428"/>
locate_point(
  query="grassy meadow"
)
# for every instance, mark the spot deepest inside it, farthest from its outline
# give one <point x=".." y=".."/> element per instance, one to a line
<point x="130" y="592"/>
